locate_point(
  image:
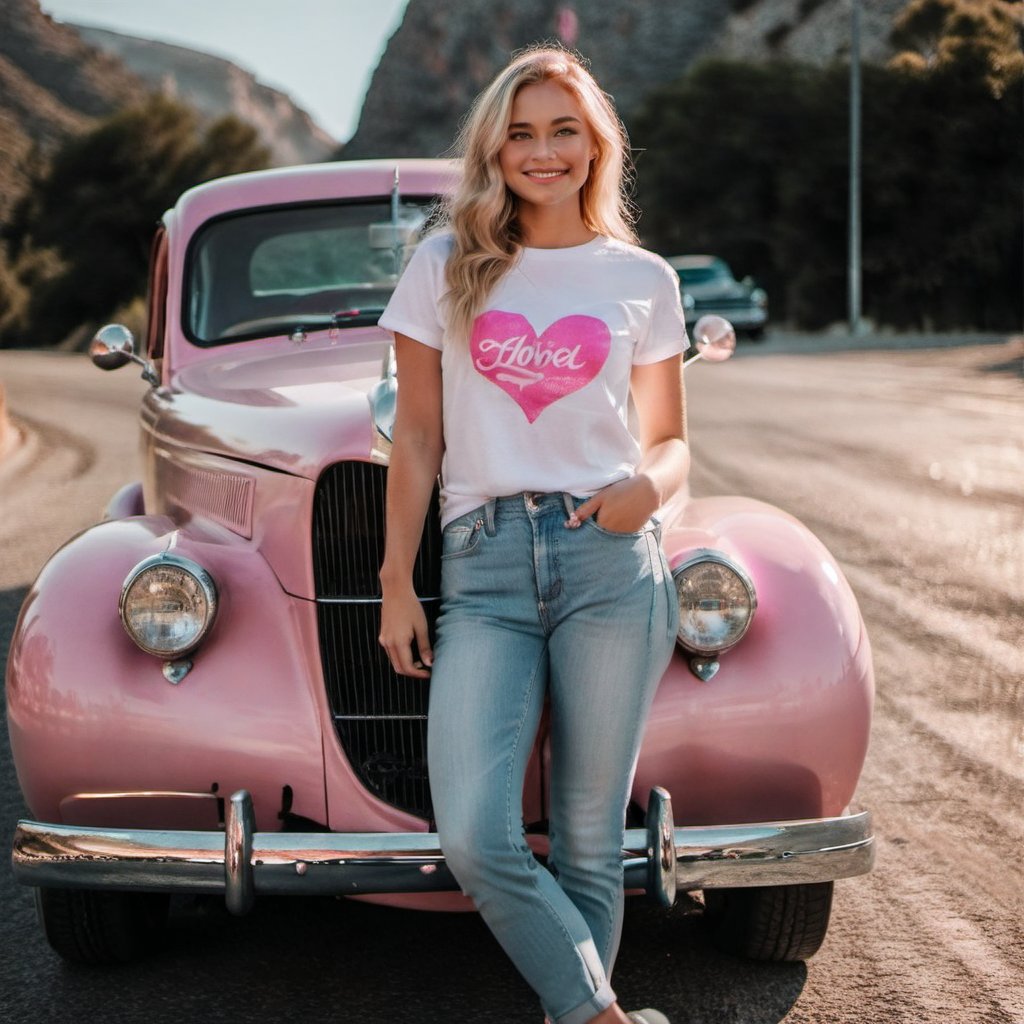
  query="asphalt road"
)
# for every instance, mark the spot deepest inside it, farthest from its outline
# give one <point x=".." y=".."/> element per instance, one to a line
<point x="908" y="464"/>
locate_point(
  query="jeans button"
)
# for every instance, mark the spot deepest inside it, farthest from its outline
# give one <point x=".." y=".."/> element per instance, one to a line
<point x="531" y="502"/>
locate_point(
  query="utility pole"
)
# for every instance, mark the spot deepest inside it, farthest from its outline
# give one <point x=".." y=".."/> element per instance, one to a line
<point x="853" y="265"/>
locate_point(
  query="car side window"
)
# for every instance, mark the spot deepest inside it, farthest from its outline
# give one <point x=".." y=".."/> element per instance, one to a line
<point x="156" y="301"/>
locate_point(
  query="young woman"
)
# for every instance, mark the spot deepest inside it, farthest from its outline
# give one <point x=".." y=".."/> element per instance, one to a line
<point x="522" y="330"/>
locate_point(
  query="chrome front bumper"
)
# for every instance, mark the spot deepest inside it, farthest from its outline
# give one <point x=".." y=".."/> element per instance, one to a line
<point x="242" y="863"/>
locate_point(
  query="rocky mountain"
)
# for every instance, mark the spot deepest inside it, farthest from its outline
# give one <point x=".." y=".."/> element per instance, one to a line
<point x="56" y="79"/>
<point x="441" y="55"/>
<point x="815" y="31"/>
<point x="216" y="87"/>
<point x="52" y="84"/>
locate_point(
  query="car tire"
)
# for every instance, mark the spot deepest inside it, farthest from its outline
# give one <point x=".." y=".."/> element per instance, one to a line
<point x="784" y="923"/>
<point x="87" y="927"/>
<point x="756" y="334"/>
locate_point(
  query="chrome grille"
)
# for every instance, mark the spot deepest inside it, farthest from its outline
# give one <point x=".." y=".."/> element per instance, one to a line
<point x="380" y="718"/>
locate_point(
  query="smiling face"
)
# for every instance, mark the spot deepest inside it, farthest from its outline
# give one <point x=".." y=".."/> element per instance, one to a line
<point x="546" y="156"/>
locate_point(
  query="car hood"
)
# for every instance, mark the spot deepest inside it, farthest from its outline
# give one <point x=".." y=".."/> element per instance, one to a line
<point x="290" y="409"/>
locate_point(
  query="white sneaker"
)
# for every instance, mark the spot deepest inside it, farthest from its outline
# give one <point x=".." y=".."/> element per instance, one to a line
<point x="647" y="1017"/>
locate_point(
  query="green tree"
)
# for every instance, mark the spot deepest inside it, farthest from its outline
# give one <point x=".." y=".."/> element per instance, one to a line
<point x="979" y="38"/>
<point x="745" y="161"/>
<point x="943" y="216"/>
<point x="97" y="205"/>
<point x="750" y="162"/>
<point x="942" y="221"/>
<point x="13" y="293"/>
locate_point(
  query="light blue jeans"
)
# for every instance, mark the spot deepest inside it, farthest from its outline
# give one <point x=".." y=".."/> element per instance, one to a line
<point x="587" y="618"/>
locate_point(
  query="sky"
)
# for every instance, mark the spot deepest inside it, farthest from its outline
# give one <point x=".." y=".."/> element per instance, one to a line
<point x="322" y="53"/>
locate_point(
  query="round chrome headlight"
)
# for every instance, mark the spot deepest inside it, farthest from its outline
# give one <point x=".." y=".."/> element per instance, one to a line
<point x="716" y="602"/>
<point x="167" y="605"/>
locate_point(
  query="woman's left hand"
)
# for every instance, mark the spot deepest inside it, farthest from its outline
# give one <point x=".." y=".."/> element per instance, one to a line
<point x="624" y="506"/>
<point x="621" y="507"/>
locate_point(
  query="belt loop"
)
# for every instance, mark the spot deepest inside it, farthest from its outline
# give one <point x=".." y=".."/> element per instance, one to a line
<point x="570" y="505"/>
<point x="489" y="517"/>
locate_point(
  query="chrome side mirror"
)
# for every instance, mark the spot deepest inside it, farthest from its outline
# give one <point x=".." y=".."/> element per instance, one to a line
<point x="113" y="346"/>
<point x="715" y="339"/>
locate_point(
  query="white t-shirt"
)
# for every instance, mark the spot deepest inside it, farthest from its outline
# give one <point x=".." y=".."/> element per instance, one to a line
<point x="539" y="399"/>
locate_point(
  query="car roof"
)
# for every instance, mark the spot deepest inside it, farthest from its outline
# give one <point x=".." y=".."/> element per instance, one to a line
<point x="693" y="262"/>
<point x="311" y="183"/>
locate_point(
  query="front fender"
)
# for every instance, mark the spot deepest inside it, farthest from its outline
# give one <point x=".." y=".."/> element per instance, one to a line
<point x="90" y="713"/>
<point x="781" y="731"/>
<point x="128" y="501"/>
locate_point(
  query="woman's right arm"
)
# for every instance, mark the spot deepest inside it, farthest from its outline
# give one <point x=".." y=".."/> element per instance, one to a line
<point x="415" y="463"/>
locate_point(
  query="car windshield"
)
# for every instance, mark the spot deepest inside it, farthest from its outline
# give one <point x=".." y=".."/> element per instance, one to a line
<point x="268" y="272"/>
<point x="716" y="271"/>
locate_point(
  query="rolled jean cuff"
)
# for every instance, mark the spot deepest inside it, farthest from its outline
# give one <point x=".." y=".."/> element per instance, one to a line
<point x="600" y="1000"/>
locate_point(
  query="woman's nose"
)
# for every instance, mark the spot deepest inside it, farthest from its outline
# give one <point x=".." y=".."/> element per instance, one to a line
<point x="544" y="148"/>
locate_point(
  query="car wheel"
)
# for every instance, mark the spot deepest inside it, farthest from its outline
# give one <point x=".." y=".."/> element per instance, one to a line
<point x="88" y="927"/>
<point x="777" y="922"/>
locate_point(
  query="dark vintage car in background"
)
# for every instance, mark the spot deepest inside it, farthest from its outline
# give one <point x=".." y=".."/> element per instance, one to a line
<point x="709" y="288"/>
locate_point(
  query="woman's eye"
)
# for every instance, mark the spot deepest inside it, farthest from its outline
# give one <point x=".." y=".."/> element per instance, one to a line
<point x="566" y="131"/>
<point x="518" y="136"/>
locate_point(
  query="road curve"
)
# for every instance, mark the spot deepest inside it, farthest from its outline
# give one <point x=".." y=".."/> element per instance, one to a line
<point x="908" y="465"/>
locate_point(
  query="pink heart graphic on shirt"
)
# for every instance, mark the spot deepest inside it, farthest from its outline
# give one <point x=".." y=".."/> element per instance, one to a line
<point x="534" y="371"/>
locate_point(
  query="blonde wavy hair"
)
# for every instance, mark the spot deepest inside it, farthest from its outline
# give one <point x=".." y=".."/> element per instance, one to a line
<point x="482" y="212"/>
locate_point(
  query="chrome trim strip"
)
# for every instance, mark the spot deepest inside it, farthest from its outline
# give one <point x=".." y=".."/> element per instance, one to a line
<point x="148" y="794"/>
<point x="242" y="863"/>
<point x="380" y="718"/>
<point x="365" y="600"/>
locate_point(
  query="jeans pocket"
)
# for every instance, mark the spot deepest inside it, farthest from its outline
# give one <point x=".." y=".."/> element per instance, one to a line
<point x="462" y="536"/>
<point x="651" y="524"/>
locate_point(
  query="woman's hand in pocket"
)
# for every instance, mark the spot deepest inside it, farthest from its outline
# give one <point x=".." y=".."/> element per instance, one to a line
<point x="621" y="507"/>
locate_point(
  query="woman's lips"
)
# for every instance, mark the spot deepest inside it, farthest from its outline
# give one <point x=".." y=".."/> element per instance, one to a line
<point x="546" y="175"/>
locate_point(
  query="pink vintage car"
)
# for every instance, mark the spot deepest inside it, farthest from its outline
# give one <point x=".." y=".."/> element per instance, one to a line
<point x="196" y="698"/>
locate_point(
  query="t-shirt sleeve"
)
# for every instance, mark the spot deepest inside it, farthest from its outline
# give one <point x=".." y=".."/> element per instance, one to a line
<point x="414" y="307"/>
<point x="666" y="329"/>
